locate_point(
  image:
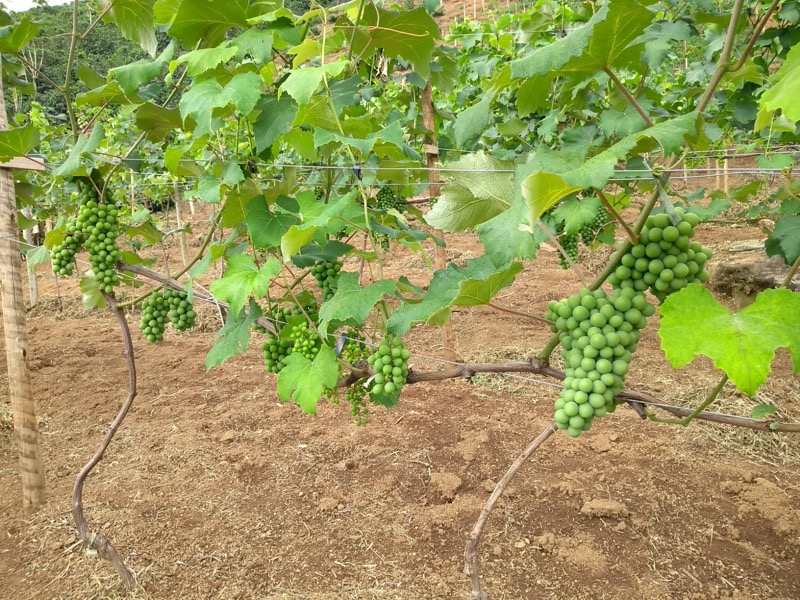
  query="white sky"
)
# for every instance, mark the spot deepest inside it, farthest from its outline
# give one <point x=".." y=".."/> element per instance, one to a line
<point x="20" y="5"/>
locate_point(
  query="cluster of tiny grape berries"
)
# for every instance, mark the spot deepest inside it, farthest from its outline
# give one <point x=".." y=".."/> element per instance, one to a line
<point x="589" y="231"/>
<point x="390" y="363"/>
<point x="327" y="275"/>
<point x="356" y="396"/>
<point x="275" y="350"/>
<point x="99" y="223"/>
<point x="63" y="255"/>
<point x="432" y="201"/>
<point x="386" y="200"/>
<point x="665" y="260"/>
<point x="154" y="317"/>
<point x="181" y="311"/>
<point x="319" y="194"/>
<point x="569" y="242"/>
<point x="598" y="336"/>
<point x="305" y="341"/>
<point x="354" y="350"/>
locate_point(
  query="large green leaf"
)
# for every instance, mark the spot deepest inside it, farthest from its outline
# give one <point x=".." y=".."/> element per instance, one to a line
<point x="14" y="37"/>
<point x="472" y="122"/>
<point x="393" y="134"/>
<point x="83" y="146"/>
<point x="277" y="115"/>
<point x="785" y="239"/>
<point x="508" y="235"/>
<point x="132" y="76"/>
<point x="157" y="121"/>
<point x="204" y="59"/>
<point x="207" y="20"/>
<point x="785" y="93"/>
<point x="302" y="83"/>
<point x="483" y="189"/>
<point x="608" y="40"/>
<point x="352" y="303"/>
<point x="265" y="227"/>
<point x="479" y="279"/>
<point x="243" y="91"/>
<point x="542" y="191"/>
<point x="18" y="142"/>
<point x="135" y="21"/>
<point x="234" y="336"/>
<point x="409" y="35"/>
<point x="741" y="344"/>
<point x="304" y="381"/>
<point x="243" y="278"/>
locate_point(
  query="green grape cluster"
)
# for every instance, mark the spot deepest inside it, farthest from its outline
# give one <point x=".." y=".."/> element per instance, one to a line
<point x="181" y="311"/>
<point x="589" y="231"/>
<point x="598" y="336"/>
<point x="354" y="350"/>
<point x="387" y="200"/>
<point x="63" y="255"/>
<point x="319" y="194"/>
<point x="665" y="260"/>
<point x="155" y="310"/>
<point x="327" y="275"/>
<point x="390" y="363"/>
<point x="275" y="350"/>
<point x="569" y="242"/>
<point x="305" y="340"/>
<point x="357" y="397"/>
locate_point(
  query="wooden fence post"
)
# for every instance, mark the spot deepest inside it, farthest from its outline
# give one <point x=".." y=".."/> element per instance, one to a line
<point x="16" y="340"/>
<point x="434" y="190"/>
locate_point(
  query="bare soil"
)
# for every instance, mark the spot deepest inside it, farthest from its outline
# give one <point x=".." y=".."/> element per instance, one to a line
<point x="214" y="489"/>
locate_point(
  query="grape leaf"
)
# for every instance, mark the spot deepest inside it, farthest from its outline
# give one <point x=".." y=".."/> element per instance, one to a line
<point x="14" y="37"/>
<point x="508" y="235"/>
<point x="234" y="336"/>
<point x="17" y="141"/>
<point x="352" y="303"/>
<point x="135" y="21"/>
<point x="243" y="278"/>
<point x="266" y="227"/>
<point x="312" y="253"/>
<point x="304" y="381"/>
<point x="275" y="120"/>
<point x="476" y="292"/>
<point x="207" y="20"/>
<point x="204" y="59"/>
<point x="136" y="74"/>
<point x="483" y="188"/>
<point x="92" y="297"/>
<point x="785" y="94"/>
<point x="302" y="83"/>
<point x="393" y="134"/>
<point x="409" y="34"/>
<point x="741" y="344"/>
<point x="542" y="191"/>
<point x="473" y="121"/>
<point x="576" y="213"/>
<point x="608" y="39"/>
<point x="157" y="121"/>
<point x="445" y="287"/>
<point x="785" y="239"/>
<point x="243" y="91"/>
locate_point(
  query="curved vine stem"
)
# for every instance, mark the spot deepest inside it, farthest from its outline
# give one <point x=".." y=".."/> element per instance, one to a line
<point x="98" y="541"/>
<point x="471" y="559"/>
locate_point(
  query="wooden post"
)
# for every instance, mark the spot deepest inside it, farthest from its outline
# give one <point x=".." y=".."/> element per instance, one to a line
<point x="726" y="165"/>
<point x="133" y="194"/>
<point x="434" y="190"/>
<point x="33" y="283"/>
<point x="177" y="200"/>
<point x="16" y="339"/>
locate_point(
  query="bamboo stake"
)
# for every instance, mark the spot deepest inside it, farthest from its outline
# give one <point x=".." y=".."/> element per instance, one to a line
<point x="16" y="339"/>
<point x="33" y="283"/>
<point x="184" y="245"/>
<point x="434" y="190"/>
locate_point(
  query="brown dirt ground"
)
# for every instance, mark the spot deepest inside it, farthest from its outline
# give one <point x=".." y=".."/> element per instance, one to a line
<point x="214" y="489"/>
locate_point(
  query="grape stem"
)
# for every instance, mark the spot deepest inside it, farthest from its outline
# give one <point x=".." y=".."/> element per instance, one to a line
<point x="560" y="248"/>
<point x="684" y="422"/>
<point x="91" y="539"/>
<point x="519" y="313"/>
<point x="471" y="559"/>
<point x="634" y="239"/>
